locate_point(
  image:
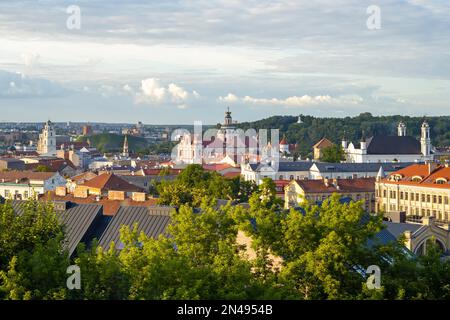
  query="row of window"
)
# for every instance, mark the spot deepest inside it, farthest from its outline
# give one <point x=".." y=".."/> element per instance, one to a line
<point x="436" y="199"/>
<point x="440" y="215"/>
<point x="17" y="195"/>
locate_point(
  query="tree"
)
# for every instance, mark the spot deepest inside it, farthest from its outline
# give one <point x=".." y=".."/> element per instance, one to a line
<point x="42" y="168"/>
<point x="33" y="260"/>
<point x="333" y="154"/>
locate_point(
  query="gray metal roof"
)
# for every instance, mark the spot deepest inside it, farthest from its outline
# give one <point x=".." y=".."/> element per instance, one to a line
<point x="287" y="166"/>
<point x="397" y="229"/>
<point x="78" y="220"/>
<point x="393" y="145"/>
<point x="361" y="167"/>
<point x="151" y="220"/>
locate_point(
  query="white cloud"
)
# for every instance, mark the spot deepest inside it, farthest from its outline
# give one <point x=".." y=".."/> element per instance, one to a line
<point x="196" y="94"/>
<point x="18" y="85"/>
<point x="229" y="98"/>
<point x="152" y="90"/>
<point x="178" y="93"/>
<point x="294" y="101"/>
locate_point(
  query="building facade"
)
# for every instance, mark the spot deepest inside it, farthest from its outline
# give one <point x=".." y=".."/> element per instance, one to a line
<point x="21" y="185"/>
<point x="297" y="192"/>
<point x="420" y="191"/>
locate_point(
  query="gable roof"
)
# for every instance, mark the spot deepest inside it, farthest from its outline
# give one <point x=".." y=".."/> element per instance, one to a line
<point x="323" y="143"/>
<point x="393" y="145"/>
<point x="151" y="220"/>
<point x="429" y="174"/>
<point x="344" y="185"/>
<point x="78" y="220"/>
<point x="110" y="181"/>
<point x="25" y="175"/>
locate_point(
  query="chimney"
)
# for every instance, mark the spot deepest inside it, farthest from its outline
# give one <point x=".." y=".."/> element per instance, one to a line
<point x="428" y="220"/>
<point x="116" y="195"/>
<point x="432" y="166"/>
<point x="138" y="196"/>
<point x="335" y="183"/>
<point x="61" y="191"/>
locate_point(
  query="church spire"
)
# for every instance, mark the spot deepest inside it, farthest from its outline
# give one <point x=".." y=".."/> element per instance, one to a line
<point x="125" y="151"/>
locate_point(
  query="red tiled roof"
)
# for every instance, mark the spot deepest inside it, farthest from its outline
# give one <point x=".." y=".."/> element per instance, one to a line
<point x="88" y="175"/>
<point x="53" y="165"/>
<point x="108" y="181"/>
<point x="429" y="174"/>
<point x="110" y="207"/>
<point x="231" y="175"/>
<point x="25" y="175"/>
<point x="344" y="185"/>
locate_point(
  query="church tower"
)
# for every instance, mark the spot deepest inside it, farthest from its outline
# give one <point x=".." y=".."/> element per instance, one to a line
<point x="125" y="152"/>
<point x="47" y="140"/>
<point x="401" y="129"/>
<point x="425" y="141"/>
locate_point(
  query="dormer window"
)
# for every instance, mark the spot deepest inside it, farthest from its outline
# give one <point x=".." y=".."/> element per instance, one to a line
<point x="441" y="181"/>
<point x="416" y="179"/>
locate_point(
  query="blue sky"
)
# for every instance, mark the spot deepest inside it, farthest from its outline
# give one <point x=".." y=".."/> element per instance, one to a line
<point x="171" y="62"/>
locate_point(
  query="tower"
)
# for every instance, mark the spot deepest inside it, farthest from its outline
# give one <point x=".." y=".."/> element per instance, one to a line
<point x="401" y="129"/>
<point x="47" y="140"/>
<point x="228" y="120"/>
<point x="363" y="143"/>
<point x="344" y="142"/>
<point x="425" y="141"/>
<point x="284" y="145"/>
<point x="125" y="151"/>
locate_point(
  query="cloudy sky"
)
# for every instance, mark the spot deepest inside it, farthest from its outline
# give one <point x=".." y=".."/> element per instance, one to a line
<point x="173" y="62"/>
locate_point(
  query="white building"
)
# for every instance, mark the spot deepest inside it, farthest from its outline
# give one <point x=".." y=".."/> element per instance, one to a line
<point x="287" y="170"/>
<point x="47" y="140"/>
<point x="400" y="148"/>
<point x="324" y="170"/>
<point x="21" y="185"/>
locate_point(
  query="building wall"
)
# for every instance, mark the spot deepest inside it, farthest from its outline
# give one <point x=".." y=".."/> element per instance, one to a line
<point x="296" y="196"/>
<point x="414" y="200"/>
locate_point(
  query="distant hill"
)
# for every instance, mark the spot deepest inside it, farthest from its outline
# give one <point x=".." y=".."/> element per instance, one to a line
<point x="110" y="142"/>
<point x="313" y="129"/>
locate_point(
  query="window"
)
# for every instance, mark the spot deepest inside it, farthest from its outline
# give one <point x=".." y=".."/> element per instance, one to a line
<point x="417" y="197"/>
<point x="401" y="195"/>
<point x="440" y="199"/>
<point x="7" y="193"/>
<point x="428" y="198"/>
<point x="25" y="194"/>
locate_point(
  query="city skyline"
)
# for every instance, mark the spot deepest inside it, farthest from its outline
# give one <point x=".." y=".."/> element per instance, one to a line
<point x="177" y="62"/>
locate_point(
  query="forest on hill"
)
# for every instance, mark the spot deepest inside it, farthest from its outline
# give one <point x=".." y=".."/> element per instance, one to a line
<point x="110" y="142"/>
<point x="312" y="129"/>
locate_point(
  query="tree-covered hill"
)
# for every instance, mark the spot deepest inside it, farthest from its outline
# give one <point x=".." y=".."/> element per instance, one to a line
<point x="312" y="129"/>
<point x="110" y="142"/>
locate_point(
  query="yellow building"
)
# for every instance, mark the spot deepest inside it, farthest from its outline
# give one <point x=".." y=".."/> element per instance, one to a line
<point x="420" y="190"/>
<point x="297" y="191"/>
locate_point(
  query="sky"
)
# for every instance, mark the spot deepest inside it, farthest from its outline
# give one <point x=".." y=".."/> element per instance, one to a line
<point x="176" y="62"/>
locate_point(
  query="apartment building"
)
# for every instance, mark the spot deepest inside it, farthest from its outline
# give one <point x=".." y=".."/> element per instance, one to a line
<point x="420" y="190"/>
